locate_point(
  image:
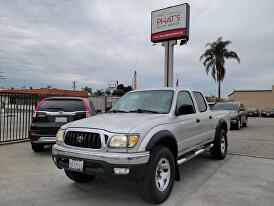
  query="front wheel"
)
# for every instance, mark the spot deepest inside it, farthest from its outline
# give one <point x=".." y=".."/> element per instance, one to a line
<point x="156" y="184"/>
<point x="37" y="147"/>
<point x="79" y="177"/>
<point x="219" y="150"/>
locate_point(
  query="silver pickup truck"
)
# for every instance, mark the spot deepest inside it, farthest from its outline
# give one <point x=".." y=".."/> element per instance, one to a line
<point x="145" y="137"/>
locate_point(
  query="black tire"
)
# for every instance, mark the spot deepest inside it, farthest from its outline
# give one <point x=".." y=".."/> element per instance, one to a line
<point x="38" y="147"/>
<point x="78" y="176"/>
<point x="238" y="124"/>
<point x="246" y="122"/>
<point x="218" y="151"/>
<point x="147" y="185"/>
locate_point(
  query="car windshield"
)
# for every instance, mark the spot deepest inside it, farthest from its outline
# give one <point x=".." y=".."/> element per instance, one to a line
<point x="268" y="110"/>
<point x="66" y="105"/>
<point x="252" y="110"/>
<point x="226" y="106"/>
<point x="151" y="101"/>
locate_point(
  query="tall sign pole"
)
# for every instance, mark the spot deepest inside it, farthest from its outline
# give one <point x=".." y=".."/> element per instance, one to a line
<point x="169" y="59"/>
<point x="167" y="26"/>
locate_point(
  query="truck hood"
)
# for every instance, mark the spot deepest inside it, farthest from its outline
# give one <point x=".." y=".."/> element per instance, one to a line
<point x="115" y="122"/>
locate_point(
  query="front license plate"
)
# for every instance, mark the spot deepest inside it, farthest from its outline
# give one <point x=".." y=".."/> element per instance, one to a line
<point x="61" y="119"/>
<point x="76" y="165"/>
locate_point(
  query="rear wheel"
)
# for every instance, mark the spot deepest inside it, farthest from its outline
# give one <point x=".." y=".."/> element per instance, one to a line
<point x="79" y="177"/>
<point x="156" y="184"/>
<point x="37" y="147"/>
<point x="219" y="150"/>
<point x="238" y="124"/>
<point x="246" y="122"/>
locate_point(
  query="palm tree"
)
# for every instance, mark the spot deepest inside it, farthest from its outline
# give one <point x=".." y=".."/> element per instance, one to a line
<point x="214" y="60"/>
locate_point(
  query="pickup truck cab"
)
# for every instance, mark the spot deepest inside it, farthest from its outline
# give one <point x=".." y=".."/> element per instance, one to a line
<point x="145" y="137"/>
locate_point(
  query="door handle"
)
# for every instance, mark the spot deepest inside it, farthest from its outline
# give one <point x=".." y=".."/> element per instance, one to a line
<point x="210" y="117"/>
<point x="197" y="120"/>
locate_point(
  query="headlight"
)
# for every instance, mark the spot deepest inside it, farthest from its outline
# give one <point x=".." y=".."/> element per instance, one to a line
<point x="60" y="136"/>
<point x="123" y="141"/>
<point x="233" y="114"/>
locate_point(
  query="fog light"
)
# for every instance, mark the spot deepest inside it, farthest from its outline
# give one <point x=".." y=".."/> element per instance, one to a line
<point x="121" y="171"/>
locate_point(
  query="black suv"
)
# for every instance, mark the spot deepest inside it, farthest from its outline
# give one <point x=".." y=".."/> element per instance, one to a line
<point x="238" y="113"/>
<point x="51" y="113"/>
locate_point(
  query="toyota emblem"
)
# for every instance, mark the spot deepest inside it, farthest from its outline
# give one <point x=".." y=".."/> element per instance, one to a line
<point x="80" y="139"/>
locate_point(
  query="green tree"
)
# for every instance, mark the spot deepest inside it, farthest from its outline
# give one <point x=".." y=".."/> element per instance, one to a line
<point x="214" y="60"/>
<point x="87" y="89"/>
<point x="107" y="92"/>
<point x="99" y="92"/>
<point x="121" y="90"/>
<point x="118" y="92"/>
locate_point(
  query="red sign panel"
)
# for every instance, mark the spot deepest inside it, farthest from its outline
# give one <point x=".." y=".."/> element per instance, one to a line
<point x="171" y="34"/>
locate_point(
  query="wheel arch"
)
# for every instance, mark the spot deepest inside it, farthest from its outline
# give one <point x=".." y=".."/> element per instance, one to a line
<point x="166" y="138"/>
<point x="221" y="125"/>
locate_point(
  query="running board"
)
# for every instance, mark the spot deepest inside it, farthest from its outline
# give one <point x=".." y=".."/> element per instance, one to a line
<point x="193" y="154"/>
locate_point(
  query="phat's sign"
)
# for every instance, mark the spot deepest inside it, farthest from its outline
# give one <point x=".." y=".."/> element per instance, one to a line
<point x="170" y="23"/>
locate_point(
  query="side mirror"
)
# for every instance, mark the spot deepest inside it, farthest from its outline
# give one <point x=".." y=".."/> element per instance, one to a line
<point x="98" y="111"/>
<point x="108" y="108"/>
<point x="185" y="109"/>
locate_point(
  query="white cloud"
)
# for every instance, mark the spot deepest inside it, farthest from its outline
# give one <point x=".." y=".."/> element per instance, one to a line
<point x="56" y="42"/>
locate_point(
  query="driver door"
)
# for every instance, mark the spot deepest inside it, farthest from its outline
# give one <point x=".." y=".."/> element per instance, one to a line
<point x="186" y="127"/>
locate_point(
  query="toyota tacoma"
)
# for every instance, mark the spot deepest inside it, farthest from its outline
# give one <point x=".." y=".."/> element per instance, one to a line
<point x="144" y="137"/>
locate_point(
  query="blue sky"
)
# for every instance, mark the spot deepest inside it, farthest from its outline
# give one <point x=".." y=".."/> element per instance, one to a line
<point x="56" y="42"/>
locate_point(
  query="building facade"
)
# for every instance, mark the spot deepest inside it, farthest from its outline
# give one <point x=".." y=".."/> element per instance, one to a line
<point x="259" y="99"/>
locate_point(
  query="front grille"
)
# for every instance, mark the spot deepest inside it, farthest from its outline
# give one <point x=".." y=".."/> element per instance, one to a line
<point x="83" y="139"/>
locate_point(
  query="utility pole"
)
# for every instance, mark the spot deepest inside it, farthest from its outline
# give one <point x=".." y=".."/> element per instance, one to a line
<point x="135" y="80"/>
<point x="1" y="76"/>
<point x="74" y="84"/>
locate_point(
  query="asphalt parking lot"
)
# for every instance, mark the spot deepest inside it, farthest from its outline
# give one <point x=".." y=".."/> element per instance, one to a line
<point x="245" y="177"/>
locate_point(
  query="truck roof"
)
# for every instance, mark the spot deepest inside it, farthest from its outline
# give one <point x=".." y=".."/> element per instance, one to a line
<point x="165" y="88"/>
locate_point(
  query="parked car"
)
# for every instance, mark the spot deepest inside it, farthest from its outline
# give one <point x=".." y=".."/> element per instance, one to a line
<point x="268" y="112"/>
<point x="253" y="112"/>
<point x="144" y="137"/>
<point x="238" y="113"/>
<point x="52" y="113"/>
<point x="211" y="105"/>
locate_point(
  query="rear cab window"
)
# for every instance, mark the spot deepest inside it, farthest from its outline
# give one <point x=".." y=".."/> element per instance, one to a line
<point x="65" y="105"/>
<point x="184" y="98"/>
<point x="201" y="103"/>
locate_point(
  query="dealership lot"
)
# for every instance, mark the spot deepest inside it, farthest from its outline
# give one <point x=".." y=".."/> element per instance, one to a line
<point x="245" y="177"/>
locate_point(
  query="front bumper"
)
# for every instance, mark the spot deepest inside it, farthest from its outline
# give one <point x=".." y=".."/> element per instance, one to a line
<point x="43" y="139"/>
<point x="267" y="115"/>
<point x="233" y="121"/>
<point x="102" y="163"/>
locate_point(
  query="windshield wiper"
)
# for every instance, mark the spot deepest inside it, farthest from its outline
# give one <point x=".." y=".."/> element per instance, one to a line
<point x="118" y="111"/>
<point x="143" y="111"/>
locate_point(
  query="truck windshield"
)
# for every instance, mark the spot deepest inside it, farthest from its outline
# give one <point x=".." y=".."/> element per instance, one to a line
<point x="151" y="101"/>
<point x="226" y="106"/>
